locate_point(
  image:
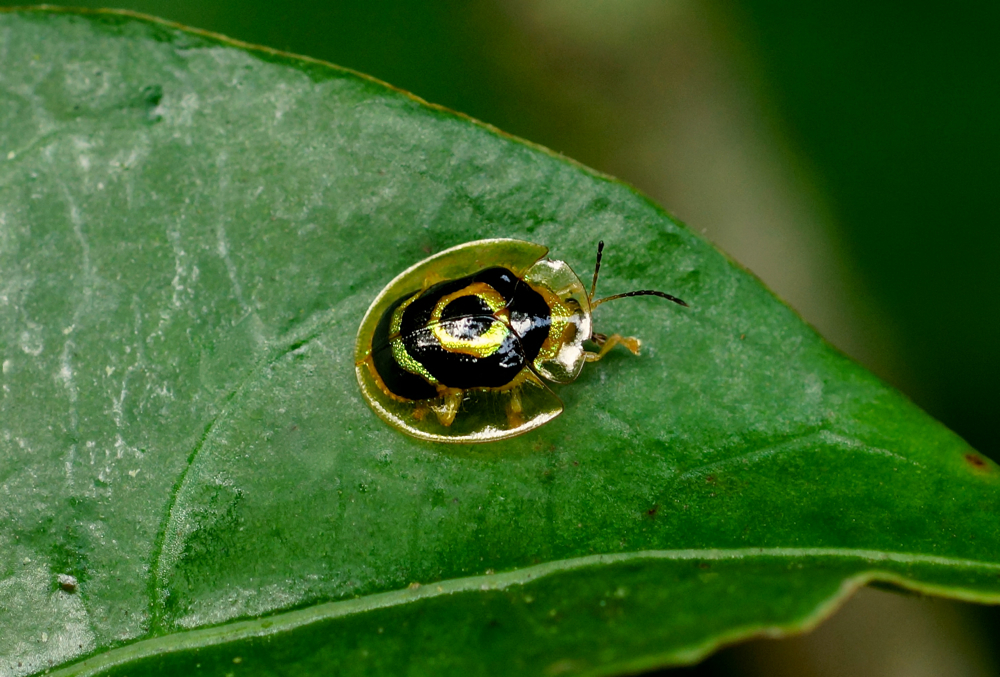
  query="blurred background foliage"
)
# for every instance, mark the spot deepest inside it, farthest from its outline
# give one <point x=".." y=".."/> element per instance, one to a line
<point x="846" y="152"/>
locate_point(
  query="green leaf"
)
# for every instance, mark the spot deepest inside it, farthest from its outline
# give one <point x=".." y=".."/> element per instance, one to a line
<point x="191" y="230"/>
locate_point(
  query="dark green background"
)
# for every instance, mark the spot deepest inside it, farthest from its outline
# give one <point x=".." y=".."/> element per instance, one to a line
<point x="896" y="109"/>
<point x="899" y="109"/>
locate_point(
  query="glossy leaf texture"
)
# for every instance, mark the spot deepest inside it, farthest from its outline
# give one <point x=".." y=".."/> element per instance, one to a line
<point x="190" y="233"/>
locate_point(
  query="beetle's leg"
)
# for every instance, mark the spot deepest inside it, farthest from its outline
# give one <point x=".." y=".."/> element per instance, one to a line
<point x="515" y="409"/>
<point x="451" y="400"/>
<point x="421" y="410"/>
<point x="609" y="342"/>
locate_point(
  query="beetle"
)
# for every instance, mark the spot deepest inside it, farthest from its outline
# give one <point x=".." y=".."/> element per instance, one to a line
<point x="457" y="348"/>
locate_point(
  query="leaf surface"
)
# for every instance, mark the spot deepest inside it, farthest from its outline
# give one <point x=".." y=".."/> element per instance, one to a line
<point x="191" y="230"/>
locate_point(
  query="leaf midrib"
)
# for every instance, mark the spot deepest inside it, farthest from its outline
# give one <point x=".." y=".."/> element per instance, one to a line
<point x="291" y="620"/>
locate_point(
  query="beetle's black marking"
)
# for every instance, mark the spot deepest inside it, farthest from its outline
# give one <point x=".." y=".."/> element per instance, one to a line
<point x="466" y="306"/>
<point x="399" y="381"/>
<point x="468" y="327"/>
<point x="501" y="279"/>
<point x="530" y="316"/>
<point x="470" y="317"/>
<point x="458" y="370"/>
<point x="418" y="314"/>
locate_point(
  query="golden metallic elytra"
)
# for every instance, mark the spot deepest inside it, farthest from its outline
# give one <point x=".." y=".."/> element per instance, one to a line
<point x="457" y="348"/>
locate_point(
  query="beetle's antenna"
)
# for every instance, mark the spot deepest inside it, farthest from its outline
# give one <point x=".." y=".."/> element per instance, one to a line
<point x="597" y="269"/>
<point x="641" y="292"/>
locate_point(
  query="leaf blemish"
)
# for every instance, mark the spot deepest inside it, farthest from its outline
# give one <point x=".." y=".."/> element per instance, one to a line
<point x="295" y="346"/>
<point x="67" y="583"/>
<point x="976" y="462"/>
<point x="152" y="95"/>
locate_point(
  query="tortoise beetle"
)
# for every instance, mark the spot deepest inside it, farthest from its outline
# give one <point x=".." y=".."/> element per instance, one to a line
<point x="455" y="348"/>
